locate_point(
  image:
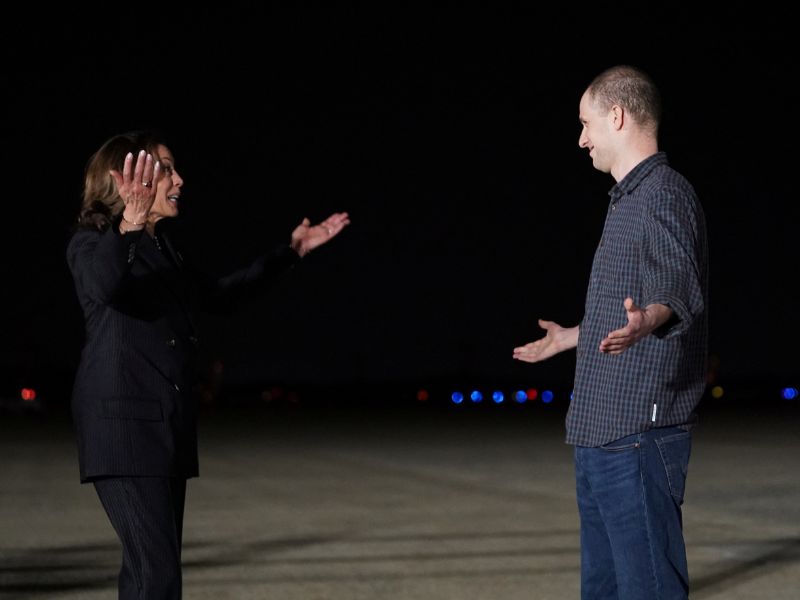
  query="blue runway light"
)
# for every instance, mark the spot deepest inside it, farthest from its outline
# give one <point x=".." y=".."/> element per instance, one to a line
<point x="789" y="393"/>
<point x="498" y="397"/>
<point x="457" y="397"/>
<point x="547" y="396"/>
<point x="520" y="396"/>
<point x="476" y="396"/>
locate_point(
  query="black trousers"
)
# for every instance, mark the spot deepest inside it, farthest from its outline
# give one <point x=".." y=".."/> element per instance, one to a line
<point x="147" y="514"/>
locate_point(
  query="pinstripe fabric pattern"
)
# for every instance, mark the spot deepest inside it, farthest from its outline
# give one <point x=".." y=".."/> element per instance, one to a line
<point x="147" y="514"/>
<point x="132" y="404"/>
<point x="653" y="249"/>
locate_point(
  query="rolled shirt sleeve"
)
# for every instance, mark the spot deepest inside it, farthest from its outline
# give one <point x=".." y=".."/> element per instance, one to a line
<point x="671" y="273"/>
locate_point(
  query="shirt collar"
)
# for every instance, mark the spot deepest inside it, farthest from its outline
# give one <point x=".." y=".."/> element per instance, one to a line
<point x="636" y="175"/>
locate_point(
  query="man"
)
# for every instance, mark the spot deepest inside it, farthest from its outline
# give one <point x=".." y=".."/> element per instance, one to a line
<point x="641" y="351"/>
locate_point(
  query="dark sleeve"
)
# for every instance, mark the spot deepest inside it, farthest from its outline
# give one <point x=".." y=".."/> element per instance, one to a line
<point x="672" y="269"/>
<point x="100" y="261"/>
<point x="222" y="294"/>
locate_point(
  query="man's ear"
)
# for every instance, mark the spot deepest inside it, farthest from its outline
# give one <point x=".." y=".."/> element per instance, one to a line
<point x="616" y="116"/>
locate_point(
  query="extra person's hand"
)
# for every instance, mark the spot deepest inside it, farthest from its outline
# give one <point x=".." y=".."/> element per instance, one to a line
<point x="306" y="237"/>
<point x="557" y="339"/>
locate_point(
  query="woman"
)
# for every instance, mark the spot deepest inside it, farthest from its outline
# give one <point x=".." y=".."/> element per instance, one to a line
<point x="133" y="411"/>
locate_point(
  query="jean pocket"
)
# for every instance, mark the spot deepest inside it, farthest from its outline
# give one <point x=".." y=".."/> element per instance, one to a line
<point x="674" y="451"/>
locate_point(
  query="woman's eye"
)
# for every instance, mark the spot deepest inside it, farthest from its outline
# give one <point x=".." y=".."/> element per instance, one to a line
<point x="167" y="169"/>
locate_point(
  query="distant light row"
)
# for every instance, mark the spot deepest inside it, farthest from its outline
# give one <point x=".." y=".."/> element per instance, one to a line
<point x="498" y="397"/>
<point x="787" y="393"/>
<point x="547" y="396"/>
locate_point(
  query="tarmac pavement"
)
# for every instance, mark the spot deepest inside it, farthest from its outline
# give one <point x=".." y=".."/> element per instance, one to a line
<point x="429" y="503"/>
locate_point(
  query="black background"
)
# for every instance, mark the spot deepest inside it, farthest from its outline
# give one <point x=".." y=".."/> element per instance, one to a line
<point x="449" y="135"/>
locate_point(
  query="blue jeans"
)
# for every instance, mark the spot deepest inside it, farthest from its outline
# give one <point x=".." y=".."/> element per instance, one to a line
<point x="629" y="494"/>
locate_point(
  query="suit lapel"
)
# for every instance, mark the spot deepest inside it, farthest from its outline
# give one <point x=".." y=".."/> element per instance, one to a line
<point x="154" y="255"/>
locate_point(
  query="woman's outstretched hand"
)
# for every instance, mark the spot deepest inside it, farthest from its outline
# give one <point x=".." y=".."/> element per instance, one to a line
<point x="306" y="236"/>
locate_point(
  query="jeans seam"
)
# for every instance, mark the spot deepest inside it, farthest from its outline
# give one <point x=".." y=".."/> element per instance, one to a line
<point x="648" y="523"/>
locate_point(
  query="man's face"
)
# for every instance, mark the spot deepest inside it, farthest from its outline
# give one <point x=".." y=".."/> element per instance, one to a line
<point x="596" y="134"/>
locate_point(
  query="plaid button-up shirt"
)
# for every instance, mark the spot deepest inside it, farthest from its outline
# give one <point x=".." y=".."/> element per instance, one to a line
<point x="654" y="250"/>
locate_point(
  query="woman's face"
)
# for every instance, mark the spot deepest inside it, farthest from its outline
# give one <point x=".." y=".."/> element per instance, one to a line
<point x="168" y="190"/>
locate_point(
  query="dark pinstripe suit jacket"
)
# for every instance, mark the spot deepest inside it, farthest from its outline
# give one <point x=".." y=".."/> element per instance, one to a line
<point x="132" y="407"/>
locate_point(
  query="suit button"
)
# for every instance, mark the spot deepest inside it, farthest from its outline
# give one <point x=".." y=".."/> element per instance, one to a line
<point x="171" y="342"/>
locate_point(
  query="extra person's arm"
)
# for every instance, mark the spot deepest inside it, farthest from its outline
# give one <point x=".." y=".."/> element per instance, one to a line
<point x="557" y="339"/>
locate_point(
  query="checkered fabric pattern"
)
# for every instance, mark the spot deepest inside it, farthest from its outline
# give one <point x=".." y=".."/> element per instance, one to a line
<point x="654" y="250"/>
